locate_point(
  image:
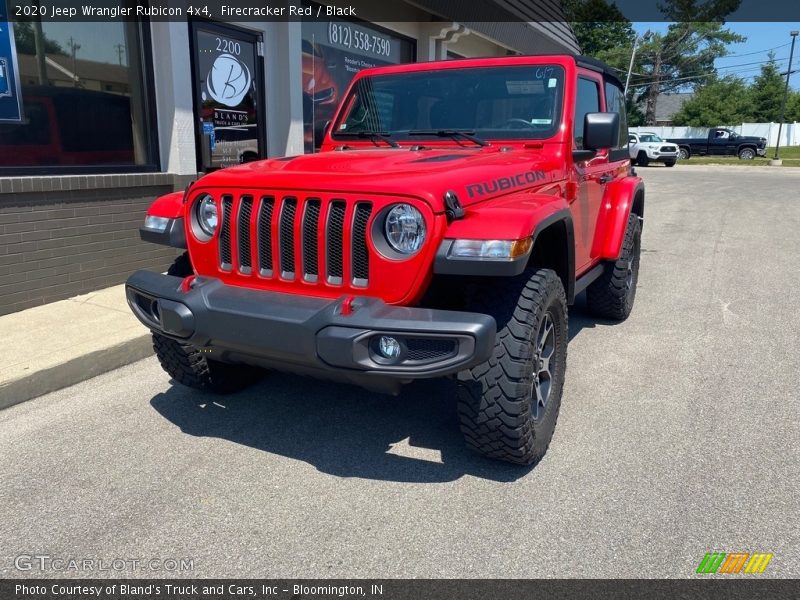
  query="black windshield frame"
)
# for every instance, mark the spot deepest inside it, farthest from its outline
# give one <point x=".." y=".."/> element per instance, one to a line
<point x="512" y="102"/>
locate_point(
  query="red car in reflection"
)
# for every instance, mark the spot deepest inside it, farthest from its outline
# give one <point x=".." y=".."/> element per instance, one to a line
<point x="69" y="126"/>
<point x="320" y="93"/>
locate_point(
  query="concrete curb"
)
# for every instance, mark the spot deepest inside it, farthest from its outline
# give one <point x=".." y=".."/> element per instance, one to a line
<point x="75" y="370"/>
<point x="53" y="346"/>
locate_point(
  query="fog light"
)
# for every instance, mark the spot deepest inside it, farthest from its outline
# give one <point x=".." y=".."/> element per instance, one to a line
<point x="389" y="347"/>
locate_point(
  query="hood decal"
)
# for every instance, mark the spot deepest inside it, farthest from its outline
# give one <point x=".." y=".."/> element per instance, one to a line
<point x="484" y="188"/>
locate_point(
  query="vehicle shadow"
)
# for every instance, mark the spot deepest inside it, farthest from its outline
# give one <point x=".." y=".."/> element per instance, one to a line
<point x="580" y="318"/>
<point x="341" y="429"/>
<point x="344" y="430"/>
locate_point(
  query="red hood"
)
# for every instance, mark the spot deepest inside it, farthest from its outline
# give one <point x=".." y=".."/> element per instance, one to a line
<point x="473" y="173"/>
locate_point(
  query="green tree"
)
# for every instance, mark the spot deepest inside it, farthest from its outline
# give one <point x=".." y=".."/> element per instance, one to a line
<point x="683" y="56"/>
<point x="25" y="41"/>
<point x="600" y="28"/>
<point x="793" y="107"/>
<point x="766" y="93"/>
<point x="720" y="102"/>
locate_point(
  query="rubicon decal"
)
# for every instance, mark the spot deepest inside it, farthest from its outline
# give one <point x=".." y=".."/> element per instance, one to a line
<point x="734" y="562"/>
<point x="484" y="188"/>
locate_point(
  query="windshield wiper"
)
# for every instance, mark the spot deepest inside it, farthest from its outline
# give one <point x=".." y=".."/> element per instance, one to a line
<point x="451" y="133"/>
<point x="372" y="135"/>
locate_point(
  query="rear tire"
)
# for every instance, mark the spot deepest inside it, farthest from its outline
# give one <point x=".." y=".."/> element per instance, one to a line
<point x="508" y="406"/>
<point x="190" y="366"/>
<point x="611" y="296"/>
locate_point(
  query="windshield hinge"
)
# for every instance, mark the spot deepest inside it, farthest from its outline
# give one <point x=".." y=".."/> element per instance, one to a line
<point x="454" y="209"/>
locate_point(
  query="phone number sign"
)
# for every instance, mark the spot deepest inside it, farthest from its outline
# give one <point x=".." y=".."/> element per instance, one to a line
<point x="10" y="99"/>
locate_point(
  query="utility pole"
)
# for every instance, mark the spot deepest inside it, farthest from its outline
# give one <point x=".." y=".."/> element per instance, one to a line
<point x="120" y="48"/>
<point x="776" y="161"/>
<point x="636" y="41"/>
<point x="74" y="47"/>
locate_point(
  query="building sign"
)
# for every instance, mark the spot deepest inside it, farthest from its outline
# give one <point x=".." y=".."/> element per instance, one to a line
<point x="227" y="88"/>
<point x="333" y="52"/>
<point x="10" y="97"/>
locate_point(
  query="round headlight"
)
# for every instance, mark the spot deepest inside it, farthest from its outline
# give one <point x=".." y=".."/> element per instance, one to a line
<point x="207" y="216"/>
<point x="405" y="229"/>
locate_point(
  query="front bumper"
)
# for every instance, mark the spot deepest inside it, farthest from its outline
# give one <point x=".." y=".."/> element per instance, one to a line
<point x="306" y="334"/>
<point x="761" y="151"/>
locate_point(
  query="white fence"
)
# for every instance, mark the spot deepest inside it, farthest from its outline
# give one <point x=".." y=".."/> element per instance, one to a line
<point x="790" y="135"/>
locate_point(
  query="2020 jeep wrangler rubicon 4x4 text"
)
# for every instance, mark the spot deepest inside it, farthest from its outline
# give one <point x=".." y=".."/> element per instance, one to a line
<point x="453" y="214"/>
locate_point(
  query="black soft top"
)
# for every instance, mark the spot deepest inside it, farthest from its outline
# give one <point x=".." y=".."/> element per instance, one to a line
<point x="598" y="65"/>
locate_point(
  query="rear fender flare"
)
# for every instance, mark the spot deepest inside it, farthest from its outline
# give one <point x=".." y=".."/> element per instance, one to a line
<point x="612" y="220"/>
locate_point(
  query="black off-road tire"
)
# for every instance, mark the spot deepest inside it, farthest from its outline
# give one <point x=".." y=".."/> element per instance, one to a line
<point x="684" y="153"/>
<point x="669" y="163"/>
<point x="191" y="366"/>
<point x="499" y="411"/>
<point x="611" y="296"/>
<point x="642" y="159"/>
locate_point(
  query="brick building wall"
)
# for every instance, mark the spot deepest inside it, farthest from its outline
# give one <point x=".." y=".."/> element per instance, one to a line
<point x="83" y="236"/>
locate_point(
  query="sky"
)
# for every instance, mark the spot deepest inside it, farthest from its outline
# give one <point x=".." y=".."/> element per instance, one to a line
<point x="745" y="59"/>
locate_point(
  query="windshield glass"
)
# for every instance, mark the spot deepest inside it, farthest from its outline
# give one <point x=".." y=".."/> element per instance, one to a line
<point x="650" y="137"/>
<point x="520" y="102"/>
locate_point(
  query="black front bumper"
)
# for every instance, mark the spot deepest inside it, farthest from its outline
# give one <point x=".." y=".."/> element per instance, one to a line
<point x="306" y="334"/>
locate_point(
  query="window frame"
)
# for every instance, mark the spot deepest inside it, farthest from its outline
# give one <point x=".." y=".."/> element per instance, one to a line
<point x="150" y="126"/>
<point x="622" y="151"/>
<point x="598" y="83"/>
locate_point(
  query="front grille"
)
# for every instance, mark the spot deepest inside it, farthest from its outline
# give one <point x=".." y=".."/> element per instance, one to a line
<point x="668" y="149"/>
<point x="290" y="237"/>
<point x="335" y="242"/>
<point x="310" y="240"/>
<point x="243" y="233"/>
<point x="225" y="234"/>
<point x="264" y="233"/>
<point x="427" y="349"/>
<point x="288" y="209"/>
<point x="360" y="250"/>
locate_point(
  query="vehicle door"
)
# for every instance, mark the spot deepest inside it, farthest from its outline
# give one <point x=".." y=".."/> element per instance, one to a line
<point x="720" y="143"/>
<point x="592" y="175"/>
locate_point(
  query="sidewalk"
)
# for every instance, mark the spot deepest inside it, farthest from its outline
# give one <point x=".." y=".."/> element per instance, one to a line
<point x="53" y="346"/>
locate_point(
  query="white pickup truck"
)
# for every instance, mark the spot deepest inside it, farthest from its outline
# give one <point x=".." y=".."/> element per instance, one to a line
<point x="648" y="147"/>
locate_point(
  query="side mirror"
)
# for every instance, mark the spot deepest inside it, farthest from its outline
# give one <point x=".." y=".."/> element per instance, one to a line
<point x="601" y="130"/>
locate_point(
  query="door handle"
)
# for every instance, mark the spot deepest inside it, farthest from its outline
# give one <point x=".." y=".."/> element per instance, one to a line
<point x="606" y="178"/>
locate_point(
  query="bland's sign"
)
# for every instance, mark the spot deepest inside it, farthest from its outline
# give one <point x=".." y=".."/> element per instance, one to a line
<point x="10" y="99"/>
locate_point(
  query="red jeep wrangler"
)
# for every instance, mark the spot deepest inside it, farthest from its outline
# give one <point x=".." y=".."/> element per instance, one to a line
<point x="453" y="214"/>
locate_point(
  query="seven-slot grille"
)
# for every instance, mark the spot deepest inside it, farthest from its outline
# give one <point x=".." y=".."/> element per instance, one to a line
<point x="264" y="231"/>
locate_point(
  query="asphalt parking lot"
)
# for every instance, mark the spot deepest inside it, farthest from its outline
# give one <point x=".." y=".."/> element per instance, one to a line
<point x="679" y="435"/>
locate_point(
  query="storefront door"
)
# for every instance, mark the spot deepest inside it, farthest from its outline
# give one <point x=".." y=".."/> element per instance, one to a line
<point x="228" y="75"/>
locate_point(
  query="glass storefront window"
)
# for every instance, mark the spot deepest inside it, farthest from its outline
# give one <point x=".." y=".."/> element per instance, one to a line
<point x="85" y="99"/>
<point x="333" y="52"/>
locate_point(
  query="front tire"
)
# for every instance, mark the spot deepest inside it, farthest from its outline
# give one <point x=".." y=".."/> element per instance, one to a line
<point x="190" y="366"/>
<point x="508" y="406"/>
<point x="669" y="163"/>
<point x="684" y="153"/>
<point x="612" y="294"/>
<point x="642" y="159"/>
<point x="747" y="154"/>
